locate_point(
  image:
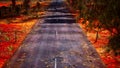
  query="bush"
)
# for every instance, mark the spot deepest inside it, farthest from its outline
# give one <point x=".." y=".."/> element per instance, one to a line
<point x="107" y="12"/>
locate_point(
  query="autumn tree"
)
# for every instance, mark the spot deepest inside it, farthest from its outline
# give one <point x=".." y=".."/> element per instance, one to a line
<point x="107" y="12"/>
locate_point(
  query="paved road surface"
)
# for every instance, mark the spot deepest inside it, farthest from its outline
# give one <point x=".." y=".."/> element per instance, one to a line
<point x="56" y="41"/>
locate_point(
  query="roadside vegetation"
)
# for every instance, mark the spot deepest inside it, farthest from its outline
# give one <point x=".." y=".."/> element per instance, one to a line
<point x="100" y="20"/>
<point x="16" y="20"/>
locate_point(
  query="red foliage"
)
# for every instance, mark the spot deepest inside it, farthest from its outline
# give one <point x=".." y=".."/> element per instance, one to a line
<point x="9" y="27"/>
<point x="7" y="31"/>
<point x="11" y="36"/>
<point x="4" y="4"/>
<point x="8" y="46"/>
<point x="109" y="60"/>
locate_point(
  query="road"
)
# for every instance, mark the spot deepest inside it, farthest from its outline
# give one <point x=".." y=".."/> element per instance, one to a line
<point x="56" y="41"/>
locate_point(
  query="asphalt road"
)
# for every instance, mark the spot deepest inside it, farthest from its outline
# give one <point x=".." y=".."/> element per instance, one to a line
<point x="56" y="41"/>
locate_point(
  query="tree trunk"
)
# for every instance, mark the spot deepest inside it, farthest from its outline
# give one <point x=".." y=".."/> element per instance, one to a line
<point x="26" y="4"/>
<point x="13" y="3"/>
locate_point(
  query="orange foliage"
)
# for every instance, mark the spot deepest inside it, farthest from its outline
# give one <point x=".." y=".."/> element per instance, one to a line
<point x="8" y="47"/>
<point x="110" y="60"/>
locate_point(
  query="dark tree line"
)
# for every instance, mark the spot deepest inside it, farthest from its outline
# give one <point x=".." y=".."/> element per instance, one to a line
<point x="26" y="5"/>
<point x="107" y="12"/>
<point x="15" y="9"/>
